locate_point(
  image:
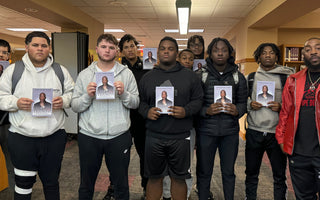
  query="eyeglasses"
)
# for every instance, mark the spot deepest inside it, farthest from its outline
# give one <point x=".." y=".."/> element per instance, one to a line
<point x="196" y="45"/>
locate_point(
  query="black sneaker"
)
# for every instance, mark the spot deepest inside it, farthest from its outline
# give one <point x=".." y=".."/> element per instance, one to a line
<point x="211" y="196"/>
<point x="144" y="196"/>
<point x="166" y="198"/>
<point x="110" y="193"/>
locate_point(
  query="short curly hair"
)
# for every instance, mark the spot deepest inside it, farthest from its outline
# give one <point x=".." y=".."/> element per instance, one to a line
<point x="127" y="38"/>
<point x="230" y="48"/>
<point x="260" y="48"/>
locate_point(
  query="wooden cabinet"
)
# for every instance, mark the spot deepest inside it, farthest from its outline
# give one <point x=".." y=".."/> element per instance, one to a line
<point x="291" y="55"/>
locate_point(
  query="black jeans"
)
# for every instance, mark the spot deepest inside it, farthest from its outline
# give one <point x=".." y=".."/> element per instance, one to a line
<point x="256" y="144"/>
<point x="305" y="176"/>
<point x="117" y="158"/>
<point x="206" y="151"/>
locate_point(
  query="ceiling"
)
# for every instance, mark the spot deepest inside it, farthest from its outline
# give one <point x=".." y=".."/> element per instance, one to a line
<point x="145" y="19"/>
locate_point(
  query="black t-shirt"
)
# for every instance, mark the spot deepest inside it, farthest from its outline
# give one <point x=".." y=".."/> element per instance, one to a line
<point x="306" y="139"/>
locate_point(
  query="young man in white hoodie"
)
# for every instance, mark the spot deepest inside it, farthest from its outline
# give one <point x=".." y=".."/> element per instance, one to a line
<point x="36" y="144"/>
<point x="104" y="124"/>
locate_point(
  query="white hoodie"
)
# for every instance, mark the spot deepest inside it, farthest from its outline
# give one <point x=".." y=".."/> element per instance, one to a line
<point x="22" y="121"/>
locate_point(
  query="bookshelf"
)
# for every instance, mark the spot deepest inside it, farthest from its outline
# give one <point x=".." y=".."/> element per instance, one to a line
<point x="291" y="55"/>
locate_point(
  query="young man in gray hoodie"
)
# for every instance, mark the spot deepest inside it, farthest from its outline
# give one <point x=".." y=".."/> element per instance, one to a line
<point x="262" y="122"/>
<point x="104" y="124"/>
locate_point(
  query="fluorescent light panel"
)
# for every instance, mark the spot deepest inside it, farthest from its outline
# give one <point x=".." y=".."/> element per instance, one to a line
<point x="113" y="30"/>
<point x="171" y="30"/>
<point x="140" y="45"/>
<point x="196" y="30"/>
<point x="182" y="39"/>
<point x="26" y="29"/>
<point x="183" y="16"/>
<point x="182" y="45"/>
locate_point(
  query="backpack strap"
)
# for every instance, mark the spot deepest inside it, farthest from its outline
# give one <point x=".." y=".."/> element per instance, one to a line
<point x="57" y="69"/>
<point x="283" y="78"/>
<point x="250" y="82"/>
<point x="17" y="73"/>
<point x="19" y="69"/>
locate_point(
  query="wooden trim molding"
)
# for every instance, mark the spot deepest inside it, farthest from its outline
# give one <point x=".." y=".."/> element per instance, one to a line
<point x="245" y="60"/>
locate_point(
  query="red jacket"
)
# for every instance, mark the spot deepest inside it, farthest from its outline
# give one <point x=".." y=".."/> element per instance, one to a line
<point x="289" y="115"/>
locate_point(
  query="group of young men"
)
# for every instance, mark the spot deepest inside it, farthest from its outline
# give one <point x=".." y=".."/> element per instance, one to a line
<point x="287" y="127"/>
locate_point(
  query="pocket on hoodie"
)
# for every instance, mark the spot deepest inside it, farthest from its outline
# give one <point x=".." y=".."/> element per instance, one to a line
<point x="38" y="125"/>
<point x="97" y="121"/>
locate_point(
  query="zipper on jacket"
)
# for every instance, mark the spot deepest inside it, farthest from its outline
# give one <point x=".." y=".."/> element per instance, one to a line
<point x="294" y="115"/>
<point x="315" y="114"/>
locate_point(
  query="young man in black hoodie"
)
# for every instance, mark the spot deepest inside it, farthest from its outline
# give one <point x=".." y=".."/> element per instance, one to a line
<point x="218" y="125"/>
<point x="168" y="136"/>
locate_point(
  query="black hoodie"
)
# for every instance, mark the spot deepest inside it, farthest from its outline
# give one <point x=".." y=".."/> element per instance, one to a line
<point x="187" y="93"/>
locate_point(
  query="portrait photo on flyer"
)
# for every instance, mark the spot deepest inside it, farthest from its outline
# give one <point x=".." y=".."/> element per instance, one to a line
<point x="265" y="92"/>
<point x="149" y="57"/>
<point x="198" y="64"/>
<point x="223" y="94"/>
<point x="42" y="102"/>
<point x="105" y="88"/>
<point x="164" y="98"/>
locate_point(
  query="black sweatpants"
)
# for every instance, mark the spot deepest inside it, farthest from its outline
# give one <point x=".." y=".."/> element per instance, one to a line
<point x="138" y="132"/>
<point x="206" y="151"/>
<point x="305" y="176"/>
<point x="117" y="158"/>
<point x="256" y="144"/>
<point x="42" y="155"/>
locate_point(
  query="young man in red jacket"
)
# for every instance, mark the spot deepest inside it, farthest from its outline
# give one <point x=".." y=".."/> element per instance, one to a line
<point x="298" y="128"/>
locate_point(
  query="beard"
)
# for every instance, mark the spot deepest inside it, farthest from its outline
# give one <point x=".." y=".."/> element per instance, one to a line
<point x="105" y="60"/>
<point x="311" y="66"/>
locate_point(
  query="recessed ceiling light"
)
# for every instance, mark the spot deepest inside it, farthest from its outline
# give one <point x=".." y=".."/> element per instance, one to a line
<point x="114" y="30"/>
<point x="118" y="3"/>
<point x="33" y="10"/>
<point x="140" y="45"/>
<point x="183" y="39"/>
<point x="182" y="45"/>
<point x="196" y="30"/>
<point x="171" y="30"/>
<point x="26" y="29"/>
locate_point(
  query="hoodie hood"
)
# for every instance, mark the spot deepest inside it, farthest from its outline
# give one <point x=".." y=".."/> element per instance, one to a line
<point x="117" y="68"/>
<point x="176" y="68"/>
<point x="213" y="70"/>
<point x="29" y="65"/>
<point x="279" y="69"/>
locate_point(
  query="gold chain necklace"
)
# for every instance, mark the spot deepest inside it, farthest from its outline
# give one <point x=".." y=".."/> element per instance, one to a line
<point x="312" y="86"/>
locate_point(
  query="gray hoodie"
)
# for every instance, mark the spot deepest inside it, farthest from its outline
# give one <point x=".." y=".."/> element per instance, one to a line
<point x="105" y="119"/>
<point x="264" y="119"/>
